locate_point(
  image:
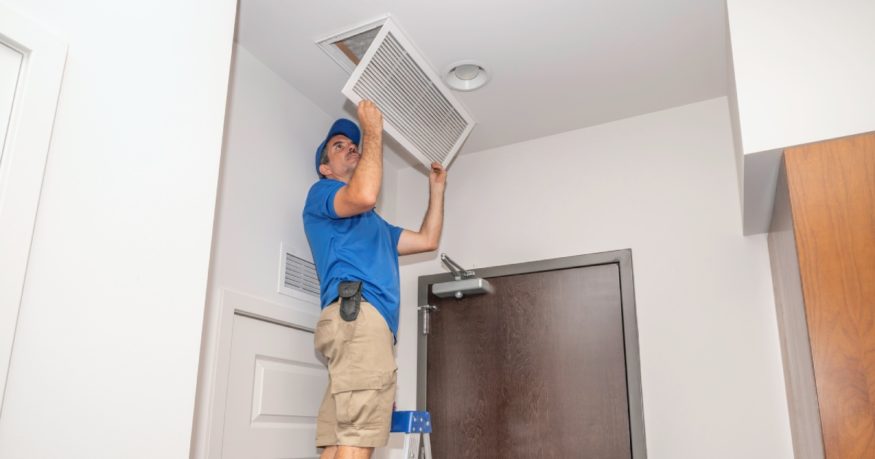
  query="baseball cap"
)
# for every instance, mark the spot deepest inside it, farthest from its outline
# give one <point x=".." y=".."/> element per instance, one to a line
<point x="342" y="126"/>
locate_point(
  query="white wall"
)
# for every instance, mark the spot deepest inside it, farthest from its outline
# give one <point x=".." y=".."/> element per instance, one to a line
<point x="664" y="185"/>
<point x="803" y="70"/>
<point x="267" y="168"/>
<point x="803" y="73"/>
<point x="106" y="352"/>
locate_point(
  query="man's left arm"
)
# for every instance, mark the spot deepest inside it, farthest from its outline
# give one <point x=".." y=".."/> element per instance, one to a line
<point x="429" y="234"/>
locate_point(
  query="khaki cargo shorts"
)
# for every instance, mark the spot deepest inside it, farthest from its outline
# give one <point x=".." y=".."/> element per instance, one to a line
<point x="357" y="407"/>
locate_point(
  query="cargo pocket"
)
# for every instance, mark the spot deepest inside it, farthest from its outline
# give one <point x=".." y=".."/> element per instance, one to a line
<point x="364" y="400"/>
<point x="324" y="337"/>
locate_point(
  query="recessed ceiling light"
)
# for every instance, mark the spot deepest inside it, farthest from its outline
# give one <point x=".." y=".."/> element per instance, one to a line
<point x="466" y="76"/>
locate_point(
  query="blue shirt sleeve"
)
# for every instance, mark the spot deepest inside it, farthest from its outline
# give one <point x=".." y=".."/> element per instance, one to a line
<point x="322" y="197"/>
<point x="395" y="231"/>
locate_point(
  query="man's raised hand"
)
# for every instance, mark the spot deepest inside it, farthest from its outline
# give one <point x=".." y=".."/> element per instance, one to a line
<point x="370" y="118"/>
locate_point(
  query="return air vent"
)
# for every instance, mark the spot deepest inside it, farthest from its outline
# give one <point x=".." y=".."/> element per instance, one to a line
<point x="418" y="110"/>
<point x="297" y="277"/>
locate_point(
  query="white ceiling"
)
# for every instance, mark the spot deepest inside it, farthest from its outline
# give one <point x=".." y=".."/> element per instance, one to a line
<point x="556" y="65"/>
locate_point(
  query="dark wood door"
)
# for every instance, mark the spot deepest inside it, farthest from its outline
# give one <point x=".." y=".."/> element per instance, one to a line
<point x="535" y="370"/>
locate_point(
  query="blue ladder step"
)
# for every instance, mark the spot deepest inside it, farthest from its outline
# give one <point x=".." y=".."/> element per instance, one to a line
<point x="411" y="422"/>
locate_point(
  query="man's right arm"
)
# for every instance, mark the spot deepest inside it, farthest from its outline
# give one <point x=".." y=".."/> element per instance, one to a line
<point x="361" y="193"/>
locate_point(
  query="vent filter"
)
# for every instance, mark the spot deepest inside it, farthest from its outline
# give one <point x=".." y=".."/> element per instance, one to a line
<point x="418" y="110"/>
<point x="298" y="277"/>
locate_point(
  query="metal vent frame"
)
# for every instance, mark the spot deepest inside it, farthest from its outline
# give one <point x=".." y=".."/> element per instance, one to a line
<point x="304" y="271"/>
<point x="390" y="27"/>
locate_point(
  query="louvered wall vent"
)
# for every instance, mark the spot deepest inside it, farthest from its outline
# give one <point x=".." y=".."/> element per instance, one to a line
<point x="298" y="277"/>
<point x="418" y="110"/>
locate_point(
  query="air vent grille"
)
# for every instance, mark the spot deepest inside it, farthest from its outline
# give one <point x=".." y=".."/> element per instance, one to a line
<point x="418" y="111"/>
<point x="300" y="275"/>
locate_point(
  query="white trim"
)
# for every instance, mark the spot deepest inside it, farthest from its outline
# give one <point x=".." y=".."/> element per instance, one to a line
<point x="230" y="303"/>
<point x="23" y="161"/>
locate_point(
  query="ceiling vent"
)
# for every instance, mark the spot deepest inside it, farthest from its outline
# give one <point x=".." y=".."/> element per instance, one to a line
<point x="418" y="110"/>
<point x="297" y="277"/>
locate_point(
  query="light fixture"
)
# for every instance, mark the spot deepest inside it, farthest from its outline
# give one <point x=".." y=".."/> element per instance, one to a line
<point x="466" y="76"/>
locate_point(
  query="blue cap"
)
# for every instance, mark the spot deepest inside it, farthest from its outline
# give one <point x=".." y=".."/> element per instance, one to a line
<point x="342" y="126"/>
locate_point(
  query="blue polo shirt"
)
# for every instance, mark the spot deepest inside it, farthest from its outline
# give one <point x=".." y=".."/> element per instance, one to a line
<point x="362" y="247"/>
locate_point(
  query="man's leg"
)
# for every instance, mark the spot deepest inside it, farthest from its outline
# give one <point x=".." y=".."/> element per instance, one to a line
<point x="357" y="409"/>
<point x="328" y="453"/>
<point x="346" y="452"/>
<point x="353" y="452"/>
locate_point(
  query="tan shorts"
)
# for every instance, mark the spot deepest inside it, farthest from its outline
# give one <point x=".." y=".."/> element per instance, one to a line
<point x="357" y="407"/>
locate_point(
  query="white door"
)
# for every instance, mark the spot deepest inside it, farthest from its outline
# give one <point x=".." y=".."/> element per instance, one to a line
<point x="275" y="386"/>
<point x="31" y="66"/>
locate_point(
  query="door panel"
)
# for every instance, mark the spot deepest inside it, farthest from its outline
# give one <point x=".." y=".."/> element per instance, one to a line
<point x="275" y="386"/>
<point x="536" y="369"/>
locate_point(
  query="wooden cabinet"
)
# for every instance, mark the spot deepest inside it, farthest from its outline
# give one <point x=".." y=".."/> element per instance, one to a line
<point x="822" y="248"/>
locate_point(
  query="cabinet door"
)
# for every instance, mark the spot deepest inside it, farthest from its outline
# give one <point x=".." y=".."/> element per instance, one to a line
<point x="831" y="189"/>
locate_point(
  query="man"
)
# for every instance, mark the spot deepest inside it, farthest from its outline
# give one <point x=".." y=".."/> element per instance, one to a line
<point x="356" y="254"/>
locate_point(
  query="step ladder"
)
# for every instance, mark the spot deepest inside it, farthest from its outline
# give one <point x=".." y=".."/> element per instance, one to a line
<point x="416" y="426"/>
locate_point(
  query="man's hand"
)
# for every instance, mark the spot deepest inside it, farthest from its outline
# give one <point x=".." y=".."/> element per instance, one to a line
<point x="370" y="118"/>
<point x="437" y="177"/>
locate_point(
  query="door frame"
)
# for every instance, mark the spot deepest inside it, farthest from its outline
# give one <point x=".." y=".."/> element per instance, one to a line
<point x="23" y="164"/>
<point x="623" y="260"/>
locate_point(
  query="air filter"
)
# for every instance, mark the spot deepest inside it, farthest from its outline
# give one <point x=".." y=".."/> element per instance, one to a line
<point x="418" y="110"/>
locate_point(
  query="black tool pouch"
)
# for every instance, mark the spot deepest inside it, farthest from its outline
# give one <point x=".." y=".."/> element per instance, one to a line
<point x="350" y="293"/>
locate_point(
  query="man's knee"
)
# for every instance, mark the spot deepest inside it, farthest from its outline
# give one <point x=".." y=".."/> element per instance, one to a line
<point x="328" y="453"/>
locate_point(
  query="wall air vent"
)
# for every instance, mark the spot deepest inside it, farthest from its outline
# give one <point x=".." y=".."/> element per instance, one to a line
<point x="418" y="110"/>
<point x="297" y="277"/>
